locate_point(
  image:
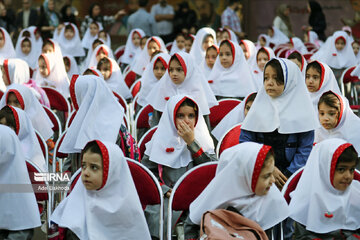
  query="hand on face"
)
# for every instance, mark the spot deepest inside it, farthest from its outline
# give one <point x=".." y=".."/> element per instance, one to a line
<point x="185" y="132"/>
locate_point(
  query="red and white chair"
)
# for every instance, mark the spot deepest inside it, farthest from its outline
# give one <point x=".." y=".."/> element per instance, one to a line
<point x="43" y="146"/>
<point x="58" y="102"/>
<point x="142" y="120"/>
<point x="130" y="78"/>
<point x="230" y="139"/>
<point x="217" y="113"/>
<point x="57" y="128"/>
<point x="348" y="88"/>
<point x="135" y="88"/>
<point x="119" y="52"/>
<point x="145" y="139"/>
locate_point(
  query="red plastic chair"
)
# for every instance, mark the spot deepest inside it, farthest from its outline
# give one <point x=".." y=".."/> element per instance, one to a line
<point x="119" y="52"/>
<point x="59" y="156"/>
<point x="135" y="88"/>
<point x="145" y="139"/>
<point x="44" y="147"/>
<point x="142" y="118"/>
<point x="54" y="119"/>
<point x="1" y="94"/>
<point x="307" y="56"/>
<point x="217" y="113"/>
<point x="310" y="46"/>
<point x="121" y="100"/>
<point x="58" y="101"/>
<point x="169" y="46"/>
<point x="130" y="78"/>
<point x="346" y="79"/>
<point x="230" y="139"/>
<point x="188" y="188"/>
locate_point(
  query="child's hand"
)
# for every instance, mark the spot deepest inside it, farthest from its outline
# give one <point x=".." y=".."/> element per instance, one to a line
<point x="185" y="132"/>
<point x="280" y="178"/>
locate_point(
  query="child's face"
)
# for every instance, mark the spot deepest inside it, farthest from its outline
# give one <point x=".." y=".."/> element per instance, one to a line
<point x="328" y="116"/>
<point x="176" y="72"/>
<point x="266" y="178"/>
<point x="94" y="29"/>
<point x="344" y="174"/>
<point x="340" y="44"/>
<point x="26" y="47"/>
<point x="294" y="60"/>
<point x="262" y="59"/>
<point x="2" y="40"/>
<point x="92" y="170"/>
<point x="44" y="72"/>
<point x="226" y="56"/>
<point x="152" y="47"/>
<point x="136" y="39"/>
<point x="225" y="35"/>
<point x="103" y="35"/>
<point x="270" y="32"/>
<point x="4" y="122"/>
<point x="246" y="53"/>
<point x="188" y="44"/>
<point x="210" y="57"/>
<point x="13" y="101"/>
<point x="262" y="42"/>
<point x="159" y="69"/>
<point x="4" y="76"/>
<point x="69" y="34"/>
<point x="48" y="48"/>
<point x="95" y="45"/>
<point x="187" y="115"/>
<point x="180" y="41"/>
<point x="355" y="47"/>
<point x="67" y="66"/>
<point x="101" y="54"/>
<point x="272" y="87"/>
<point x="312" y="79"/>
<point x="105" y="71"/>
<point x="208" y="41"/>
<point x="247" y="107"/>
<point x="143" y="42"/>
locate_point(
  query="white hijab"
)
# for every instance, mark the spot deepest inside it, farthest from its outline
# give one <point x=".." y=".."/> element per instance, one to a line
<point x="131" y="51"/>
<point x="234" y="185"/>
<point x="38" y="42"/>
<point x="204" y="67"/>
<point x="279" y="37"/>
<point x="73" y="46"/>
<point x="74" y="69"/>
<point x="166" y="137"/>
<point x="148" y="79"/>
<point x="111" y="212"/>
<point x="107" y="40"/>
<point x="251" y="49"/>
<point x="88" y="39"/>
<point x="227" y="81"/>
<point x="194" y="85"/>
<point x="31" y="105"/>
<point x="8" y="50"/>
<point x="17" y="70"/>
<point x="32" y="56"/>
<point x="298" y="45"/>
<point x="18" y="210"/>
<point x="314" y="38"/>
<point x="315" y="202"/>
<point x="258" y="74"/>
<point x="175" y="48"/>
<point x="334" y="58"/>
<point x="98" y="114"/>
<point x="86" y="62"/>
<point x="291" y="112"/>
<point x="197" y="51"/>
<point x="356" y="71"/>
<point x="93" y="61"/>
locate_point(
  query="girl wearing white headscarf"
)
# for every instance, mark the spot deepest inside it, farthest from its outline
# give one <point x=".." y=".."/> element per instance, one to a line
<point x="91" y="34"/>
<point x="71" y="66"/>
<point x="208" y="62"/>
<point x="70" y="46"/>
<point x="296" y="57"/>
<point x="277" y="37"/>
<point x="298" y="45"/>
<point x="31" y="56"/>
<point x="98" y="53"/>
<point x="7" y="49"/>
<point x="249" y="50"/>
<point x="324" y="202"/>
<point x="15" y="70"/>
<point x="204" y="38"/>
<point x="18" y="208"/>
<point x="132" y="47"/>
<point x="35" y="34"/>
<point x="263" y="55"/>
<point x="112" y="211"/>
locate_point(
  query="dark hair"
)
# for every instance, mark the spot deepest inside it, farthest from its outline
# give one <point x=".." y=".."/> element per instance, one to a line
<point x="155" y="53"/>
<point x="348" y="155"/>
<point x="231" y="2"/>
<point x="269" y="154"/>
<point x="190" y="103"/>
<point x="47" y="42"/>
<point x="188" y="37"/>
<point x="211" y="47"/>
<point x="8" y="114"/>
<point x="26" y="39"/>
<point x="143" y="3"/>
<point x="92" y="7"/>
<point x="277" y="66"/>
<point x="92" y="147"/>
<point x="26" y="34"/>
<point x="316" y="66"/>
<point x="330" y="99"/>
<point x="206" y="36"/>
<point x="104" y="61"/>
<point x="295" y="55"/>
<point x="174" y="58"/>
<point x="180" y="34"/>
<point x="69" y="27"/>
<point x="262" y="50"/>
<point x="88" y="72"/>
<point x="66" y="61"/>
<point x="227" y="43"/>
<point x="251" y="97"/>
<point x="96" y="41"/>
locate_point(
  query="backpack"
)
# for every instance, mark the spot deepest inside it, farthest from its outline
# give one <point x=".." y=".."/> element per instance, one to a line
<point x="223" y="224"/>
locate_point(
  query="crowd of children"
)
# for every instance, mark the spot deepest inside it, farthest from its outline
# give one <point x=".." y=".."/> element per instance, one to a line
<point x="296" y="116"/>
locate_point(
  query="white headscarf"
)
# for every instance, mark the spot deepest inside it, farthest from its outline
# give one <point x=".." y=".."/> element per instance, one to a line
<point x="107" y="40"/>
<point x="194" y="85"/>
<point x="303" y="60"/>
<point x="235" y="116"/>
<point x="88" y="39"/>
<point x="167" y="147"/>
<point x="108" y="52"/>
<point x="228" y="81"/>
<point x="334" y="58"/>
<point x="251" y="49"/>
<point x="266" y="38"/>
<point x="234" y="185"/>
<point x="197" y="51"/>
<point x="291" y="112"/>
<point x="279" y="37"/>
<point x="111" y="212"/>
<point x="314" y="38"/>
<point x="17" y="70"/>
<point x="143" y="58"/>
<point x="131" y="51"/>
<point x="32" y="56"/>
<point x="148" y="79"/>
<point x="38" y="42"/>
<point x="98" y="114"/>
<point x="19" y="209"/>
<point x="31" y="105"/>
<point x="298" y="45"/>
<point x="73" y="46"/>
<point x="204" y="67"/>
<point x="74" y="69"/>
<point x="258" y="74"/>
<point x="8" y="50"/>
<point x="315" y="202"/>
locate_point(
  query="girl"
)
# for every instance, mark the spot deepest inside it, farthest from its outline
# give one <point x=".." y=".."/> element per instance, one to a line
<point x="323" y="203"/>
<point x="285" y="118"/>
<point x="93" y="71"/>
<point x="181" y="142"/>
<point x="37" y="41"/>
<point x="312" y="37"/>
<point x="356" y="46"/>
<point x="132" y="46"/>
<point x="228" y="34"/>
<point x="189" y="40"/>
<point x="234" y="117"/>
<point x="209" y="61"/>
<point x="296" y="57"/>
<point x="16" y="119"/>
<point x="70" y="66"/>
<point x="19" y="209"/>
<point x="319" y="78"/>
<point x="6" y="46"/>
<point x="224" y="78"/>
<point x="179" y="44"/>
<point x="70" y="42"/>
<point x="91" y="34"/>
<point x="298" y="45"/>
<point x="98" y="115"/>
<point x="204" y="38"/>
<point x="113" y="77"/>
<point x="263" y="55"/>
<point x="337" y="120"/>
<point x="25" y="51"/>
<point x="15" y="71"/>
<point x="277" y="37"/>
<point x="143" y="41"/>
<point x="52" y="47"/>
<point x="104" y="203"/>
<point x="263" y="41"/>
<point x="105" y="37"/>
<point x="94" y="45"/>
<point x="243" y="180"/>
<point x="249" y="50"/>
<point x="99" y="52"/>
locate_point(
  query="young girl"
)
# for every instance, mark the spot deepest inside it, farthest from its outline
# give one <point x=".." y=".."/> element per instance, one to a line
<point x="189" y="40"/>
<point x="276" y="37"/>
<point x="282" y="116"/>
<point x="249" y="50"/>
<point x="91" y="34"/>
<point x="224" y="78"/>
<point x="94" y="45"/>
<point x="104" y="203"/>
<point x="132" y="46"/>
<point x="178" y="44"/>
<point x="71" y="66"/>
<point x="263" y="41"/>
<point x="228" y="34"/>
<point x="181" y="142"/>
<point x="234" y="117"/>
<point x="69" y="41"/>
<point x="319" y="78"/>
<point x="37" y="40"/>
<point x="204" y="38"/>
<point x="15" y="70"/>
<point x="296" y="57"/>
<point x="6" y="46"/>
<point x="298" y="45"/>
<point x="243" y="180"/>
<point x="26" y="52"/>
<point x="52" y="47"/>
<point x="99" y="52"/>
<point x="105" y="37"/>
<point x="312" y="37"/>
<point x="209" y="61"/>
<point x="337" y="120"/>
<point x="143" y="42"/>
<point x="113" y="77"/>
<point x="356" y="46"/>
<point x="18" y="208"/>
<point x="263" y="55"/>
<point x="16" y="119"/>
<point x="323" y="204"/>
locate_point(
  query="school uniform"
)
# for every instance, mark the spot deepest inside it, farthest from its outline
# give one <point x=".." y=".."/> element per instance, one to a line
<point x="8" y="50"/>
<point x="250" y="49"/>
<point x="131" y="51"/>
<point x="16" y="70"/>
<point x="258" y="74"/>
<point x="278" y="37"/>
<point x="74" y="68"/>
<point x="88" y="39"/>
<point x="73" y="46"/>
<point x="93" y="61"/>
<point x="197" y="51"/>
<point x="31" y="57"/>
